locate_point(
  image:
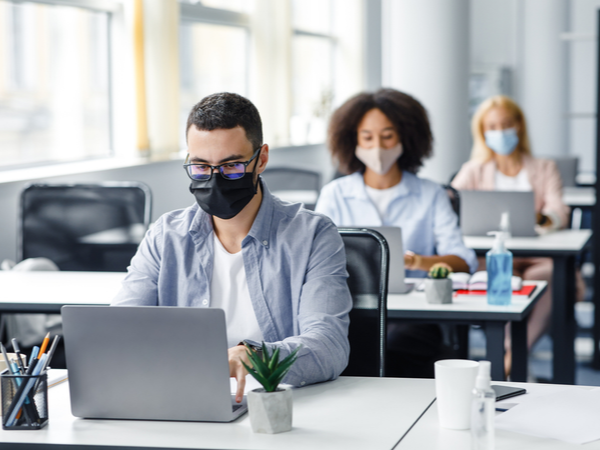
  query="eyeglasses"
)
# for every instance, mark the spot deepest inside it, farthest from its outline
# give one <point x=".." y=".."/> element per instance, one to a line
<point x="228" y="170"/>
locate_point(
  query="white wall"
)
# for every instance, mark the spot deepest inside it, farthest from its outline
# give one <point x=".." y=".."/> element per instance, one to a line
<point x="583" y="62"/>
<point x="502" y="30"/>
<point x="426" y="54"/>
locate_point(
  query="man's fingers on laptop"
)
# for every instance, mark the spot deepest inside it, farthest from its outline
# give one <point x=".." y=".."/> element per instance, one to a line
<point x="241" y="384"/>
<point x="236" y="369"/>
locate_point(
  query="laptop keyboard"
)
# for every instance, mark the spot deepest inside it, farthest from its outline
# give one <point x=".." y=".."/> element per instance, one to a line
<point x="236" y="407"/>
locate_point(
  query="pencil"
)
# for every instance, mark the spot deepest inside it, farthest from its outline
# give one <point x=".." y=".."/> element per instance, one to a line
<point x="44" y="345"/>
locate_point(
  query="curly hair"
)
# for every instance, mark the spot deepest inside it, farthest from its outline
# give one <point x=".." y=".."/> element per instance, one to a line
<point x="225" y="110"/>
<point x="407" y="115"/>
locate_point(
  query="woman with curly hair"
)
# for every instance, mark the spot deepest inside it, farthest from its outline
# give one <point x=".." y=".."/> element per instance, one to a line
<point x="380" y="140"/>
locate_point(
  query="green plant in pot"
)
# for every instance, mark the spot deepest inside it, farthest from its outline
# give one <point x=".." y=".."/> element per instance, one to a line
<point x="270" y="407"/>
<point x="438" y="287"/>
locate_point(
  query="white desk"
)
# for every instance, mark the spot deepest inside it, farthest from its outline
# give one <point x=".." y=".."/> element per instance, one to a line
<point x="46" y="292"/>
<point x="474" y="310"/>
<point x="427" y="434"/>
<point x="579" y="196"/>
<point x="562" y="241"/>
<point x="563" y="247"/>
<point x="349" y="413"/>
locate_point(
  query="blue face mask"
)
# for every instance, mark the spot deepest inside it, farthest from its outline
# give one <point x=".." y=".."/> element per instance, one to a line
<point x="502" y="142"/>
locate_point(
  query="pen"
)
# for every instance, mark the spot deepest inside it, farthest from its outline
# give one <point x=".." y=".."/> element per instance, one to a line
<point x="44" y="345"/>
<point x="49" y="358"/>
<point x="5" y="356"/>
<point x="51" y="351"/>
<point x="34" y="354"/>
<point x="17" y="351"/>
<point x="34" y="370"/>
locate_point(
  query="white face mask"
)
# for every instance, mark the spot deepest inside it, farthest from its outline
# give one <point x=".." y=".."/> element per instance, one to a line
<point x="379" y="160"/>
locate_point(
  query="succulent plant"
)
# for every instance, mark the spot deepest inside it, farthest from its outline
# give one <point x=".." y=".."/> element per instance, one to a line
<point x="266" y="368"/>
<point x="440" y="270"/>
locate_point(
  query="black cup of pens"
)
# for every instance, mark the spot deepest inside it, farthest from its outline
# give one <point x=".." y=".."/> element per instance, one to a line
<point x="24" y="401"/>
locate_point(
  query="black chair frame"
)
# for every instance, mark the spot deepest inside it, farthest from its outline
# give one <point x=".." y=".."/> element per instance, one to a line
<point x="380" y="308"/>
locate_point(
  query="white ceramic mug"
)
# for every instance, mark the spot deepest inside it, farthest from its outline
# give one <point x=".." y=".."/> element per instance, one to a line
<point x="454" y="384"/>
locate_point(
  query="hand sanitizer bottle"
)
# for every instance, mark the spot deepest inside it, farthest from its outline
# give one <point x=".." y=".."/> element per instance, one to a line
<point x="483" y="410"/>
<point x="499" y="270"/>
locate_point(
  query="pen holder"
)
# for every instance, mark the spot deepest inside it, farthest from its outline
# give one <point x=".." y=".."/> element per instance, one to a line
<point x="24" y="401"/>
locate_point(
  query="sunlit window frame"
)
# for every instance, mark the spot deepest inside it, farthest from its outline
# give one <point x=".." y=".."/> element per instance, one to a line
<point x="198" y="13"/>
<point x="297" y="32"/>
<point x="106" y="6"/>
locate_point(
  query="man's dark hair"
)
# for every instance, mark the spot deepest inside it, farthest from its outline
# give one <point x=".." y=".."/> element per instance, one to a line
<point x="407" y="115"/>
<point x="225" y="111"/>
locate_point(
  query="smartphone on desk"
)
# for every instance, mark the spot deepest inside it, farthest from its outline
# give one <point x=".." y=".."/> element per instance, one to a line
<point x="504" y="392"/>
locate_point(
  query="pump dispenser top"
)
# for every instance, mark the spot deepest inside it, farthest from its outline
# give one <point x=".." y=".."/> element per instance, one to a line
<point x="499" y="245"/>
<point x="484" y="377"/>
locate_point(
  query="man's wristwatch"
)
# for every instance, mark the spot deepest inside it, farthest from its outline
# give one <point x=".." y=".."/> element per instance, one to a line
<point x="255" y="348"/>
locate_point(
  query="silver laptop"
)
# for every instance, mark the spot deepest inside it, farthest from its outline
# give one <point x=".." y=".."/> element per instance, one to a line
<point x="480" y="212"/>
<point x="396" y="283"/>
<point x="150" y="363"/>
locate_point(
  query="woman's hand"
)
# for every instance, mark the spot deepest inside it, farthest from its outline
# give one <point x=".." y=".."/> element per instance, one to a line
<point x="543" y="220"/>
<point x="412" y="261"/>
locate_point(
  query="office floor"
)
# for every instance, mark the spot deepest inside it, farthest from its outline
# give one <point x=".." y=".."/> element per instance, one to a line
<point x="540" y="358"/>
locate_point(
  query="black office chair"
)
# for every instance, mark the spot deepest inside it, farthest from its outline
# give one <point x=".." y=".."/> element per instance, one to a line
<point x="454" y="197"/>
<point x="281" y="179"/>
<point x="84" y="227"/>
<point x="367" y="256"/>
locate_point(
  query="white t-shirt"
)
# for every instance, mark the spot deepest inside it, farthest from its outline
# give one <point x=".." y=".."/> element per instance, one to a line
<point x="381" y="198"/>
<point x="229" y="291"/>
<point x="520" y="182"/>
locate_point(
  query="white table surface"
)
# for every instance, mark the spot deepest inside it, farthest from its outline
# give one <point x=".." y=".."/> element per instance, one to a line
<point x="348" y="413"/>
<point x="415" y="301"/>
<point x="562" y="240"/>
<point x="39" y="290"/>
<point x="298" y="196"/>
<point x="579" y="196"/>
<point x="427" y="434"/>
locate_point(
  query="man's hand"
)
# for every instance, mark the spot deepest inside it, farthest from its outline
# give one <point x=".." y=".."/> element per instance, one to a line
<point x="236" y="355"/>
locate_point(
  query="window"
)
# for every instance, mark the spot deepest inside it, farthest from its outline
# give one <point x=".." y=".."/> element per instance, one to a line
<point x="54" y="83"/>
<point x="295" y="59"/>
<point x="313" y="49"/>
<point x="213" y="53"/>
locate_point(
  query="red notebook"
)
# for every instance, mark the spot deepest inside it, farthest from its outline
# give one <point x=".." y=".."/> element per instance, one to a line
<point x="525" y="291"/>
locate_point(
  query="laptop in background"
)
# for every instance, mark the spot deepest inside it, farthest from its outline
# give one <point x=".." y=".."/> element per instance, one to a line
<point x="396" y="282"/>
<point x="480" y="212"/>
<point x="149" y="363"/>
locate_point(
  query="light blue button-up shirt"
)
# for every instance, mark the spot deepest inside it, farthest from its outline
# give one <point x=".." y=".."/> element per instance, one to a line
<point x="420" y="207"/>
<point x="295" y="266"/>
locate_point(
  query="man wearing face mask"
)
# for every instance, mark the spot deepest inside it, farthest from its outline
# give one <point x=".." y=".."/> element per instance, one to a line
<point x="276" y="269"/>
<point x="380" y="140"/>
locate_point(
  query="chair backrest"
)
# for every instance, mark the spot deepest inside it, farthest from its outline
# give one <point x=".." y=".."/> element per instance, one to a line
<point x="84" y="227"/>
<point x="306" y="184"/>
<point x="567" y="167"/>
<point x="367" y="256"/>
<point x="454" y="197"/>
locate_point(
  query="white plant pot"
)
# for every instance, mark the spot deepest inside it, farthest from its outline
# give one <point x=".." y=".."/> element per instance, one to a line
<point x="270" y="412"/>
<point x="439" y="290"/>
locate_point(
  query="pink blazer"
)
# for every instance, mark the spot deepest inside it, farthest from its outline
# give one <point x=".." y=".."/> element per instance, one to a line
<point x="543" y="177"/>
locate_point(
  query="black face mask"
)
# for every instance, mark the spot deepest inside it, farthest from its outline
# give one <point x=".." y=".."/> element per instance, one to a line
<point x="224" y="198"/>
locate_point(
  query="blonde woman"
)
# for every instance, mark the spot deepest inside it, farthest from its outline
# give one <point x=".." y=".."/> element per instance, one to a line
<point x="501" y="160"/>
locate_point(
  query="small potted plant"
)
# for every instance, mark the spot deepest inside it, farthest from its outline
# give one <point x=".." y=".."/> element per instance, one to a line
<point x="270" y="407"/>
<point x="438" y="287"/>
